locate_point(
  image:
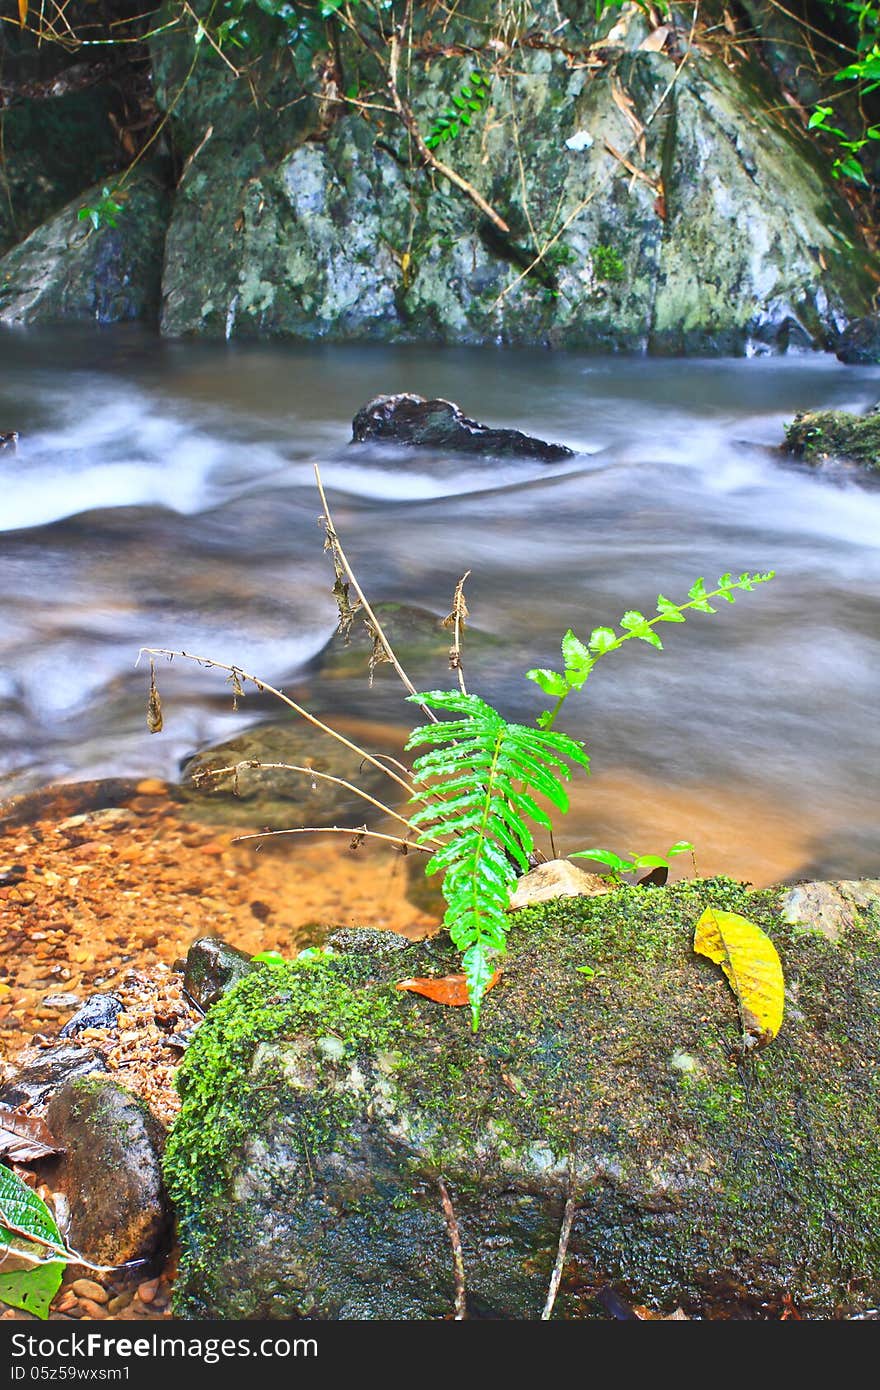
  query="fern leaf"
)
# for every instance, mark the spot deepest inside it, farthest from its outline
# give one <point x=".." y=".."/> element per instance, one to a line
<point x="482" y="774"/>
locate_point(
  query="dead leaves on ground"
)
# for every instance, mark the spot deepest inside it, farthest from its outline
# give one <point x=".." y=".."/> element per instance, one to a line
<point x="24" y="1138"/>
<point x="444" y="989"/>
<point x="751" y="963"/>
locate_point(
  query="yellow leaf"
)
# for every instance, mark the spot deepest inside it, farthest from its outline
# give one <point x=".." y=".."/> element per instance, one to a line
<point x="749" y="960"/>
<point x="22" y="13"/>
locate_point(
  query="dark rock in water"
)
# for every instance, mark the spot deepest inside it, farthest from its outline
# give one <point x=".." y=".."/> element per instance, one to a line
<point x="110" y="1174"/>
<point x="859" y="344"/>
<point x="320" y="1103"/>
<point x="274" y="796"/>
<point x="44" y="1073"/>
<point x="817" y="436"/>
<point x="438" y="424"/>
<point x="99" y="1011"/>
<point x="213" y="967"/>
<point x="9" y="440"/>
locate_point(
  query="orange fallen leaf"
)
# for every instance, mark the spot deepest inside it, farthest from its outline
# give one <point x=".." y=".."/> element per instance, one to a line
<point x="444" y="989"/>
<point x="22" y="13"/>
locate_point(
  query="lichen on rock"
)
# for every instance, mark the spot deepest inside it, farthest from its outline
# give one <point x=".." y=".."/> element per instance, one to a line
<point x="817" y="436"/>
<point x="320" y="1104"/>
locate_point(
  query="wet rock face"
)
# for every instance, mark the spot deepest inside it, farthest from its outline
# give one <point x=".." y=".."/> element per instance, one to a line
<point x="320" y="1102"/>
<point x="110" y="1174"/>
<point x="68" y="271"/>
<point x="746" y="243"/>
<point x="44" y="1073"/>
<point x="437" y="424"/>
<point x="213" y="967"/>
<point x="860" y="343"/>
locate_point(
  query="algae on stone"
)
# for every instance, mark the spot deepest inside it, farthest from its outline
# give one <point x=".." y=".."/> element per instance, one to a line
<point x="819" y="435"/>
<point x="305" y="1175"/>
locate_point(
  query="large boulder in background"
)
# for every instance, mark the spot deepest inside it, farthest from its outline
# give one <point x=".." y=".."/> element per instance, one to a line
<point x="313" y="224"/>
<point x="67" y="271"/>
<point x="321" y="1104"/>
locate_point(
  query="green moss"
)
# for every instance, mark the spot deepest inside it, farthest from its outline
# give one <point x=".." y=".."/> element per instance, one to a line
<point x="607" y="263"/>
<point x="835" y="434"/>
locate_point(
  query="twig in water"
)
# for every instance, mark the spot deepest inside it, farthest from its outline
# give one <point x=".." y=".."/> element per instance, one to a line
<point x="457" y="1255"/>
<point x="562" y="1249"/>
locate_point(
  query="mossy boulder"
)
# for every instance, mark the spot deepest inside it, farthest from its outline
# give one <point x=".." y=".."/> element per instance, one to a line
<point x="67" y="271"/>
<point x="299" y="218"/>
<point x="321" y="1105"/>
<point x="817" y="436"/>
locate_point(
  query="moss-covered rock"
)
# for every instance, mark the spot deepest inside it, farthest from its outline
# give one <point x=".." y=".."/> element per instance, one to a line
<point x="297" y="218"/>
<point x="320" y="1105"/>
<point x="68" y="271"/>
<point x="819" y="435"/>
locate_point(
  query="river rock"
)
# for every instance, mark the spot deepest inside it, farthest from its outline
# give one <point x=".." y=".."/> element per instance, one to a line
<point x="42" y="1073"/>
<point x="314" y="224"/>
<point x="68" y="271"/>
<point x="556" y="878"/>
<point x="437" y="424"/>
<point x="110" y="1175"/>
<point x="830" y="908"/>
<point x="420" y="639"/>
<point x="305" y="1177"/>
<point x="213" y="967"/>
<point x="99" y="1011"/>
<point x="859" y="344"/>
<point x="817" y="436"/>
<point x="276" y="798"/>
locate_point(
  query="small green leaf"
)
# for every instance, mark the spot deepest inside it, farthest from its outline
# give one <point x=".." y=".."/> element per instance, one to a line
<point x="551" y="682"/>
<point x="269" y="958"/>
<point x="603" y="639"/>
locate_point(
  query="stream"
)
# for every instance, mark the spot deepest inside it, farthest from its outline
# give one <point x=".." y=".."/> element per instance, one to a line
<point x="163" y="495"/>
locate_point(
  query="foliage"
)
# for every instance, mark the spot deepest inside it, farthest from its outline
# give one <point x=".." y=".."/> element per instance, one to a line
<point x="636" y="862"/>
<point x="751" y="963"/>
<point x="469" y="100"/>
<point x="580" y="658"/>
<point x="481" y="772"/>
<point x="22" y="1215"/>
<point x="103" y="213"/>
<point x="607" y="263"/>
<point x="861" y="20"/>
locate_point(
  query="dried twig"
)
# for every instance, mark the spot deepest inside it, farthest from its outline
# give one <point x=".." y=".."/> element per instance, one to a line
<point x="562" y="1249"/>
<point x="456" y="621"/>
<point x="60" y="1252"/>
<point x="312" y="719"/>
<point x="406" y="845"/>
<point x="341" y="561"/>
<point x="457" y="1255"/>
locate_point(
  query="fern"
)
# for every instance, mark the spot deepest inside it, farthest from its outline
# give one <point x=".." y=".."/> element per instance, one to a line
<point x="471" y="99"/>
<point x="483" y="774"/>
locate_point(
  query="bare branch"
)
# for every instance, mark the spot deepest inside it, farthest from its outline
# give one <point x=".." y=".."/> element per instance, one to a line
<point x="562" y="1249"/>
<point x="457" y="1255"/>
<point x="407" y="845"/>
<point x="456" y="621"/>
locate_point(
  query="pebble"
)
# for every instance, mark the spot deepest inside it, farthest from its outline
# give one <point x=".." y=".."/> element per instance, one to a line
<point x="90" y="1288"/>
<point x="120" y="1301"/>
<point x="148" y="1290"/>
<point x="92" y="1309"/>
<point x="151" y="786"/>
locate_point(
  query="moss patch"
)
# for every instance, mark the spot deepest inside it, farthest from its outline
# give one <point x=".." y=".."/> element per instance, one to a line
<point x="818" y="435"/>
<point x="320" y="1103"/>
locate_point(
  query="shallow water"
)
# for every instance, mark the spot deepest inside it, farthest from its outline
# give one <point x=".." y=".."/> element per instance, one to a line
<point x="163" y="495"/>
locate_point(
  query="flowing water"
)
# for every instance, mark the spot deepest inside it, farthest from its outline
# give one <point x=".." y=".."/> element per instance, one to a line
<point x="163" y="495"/>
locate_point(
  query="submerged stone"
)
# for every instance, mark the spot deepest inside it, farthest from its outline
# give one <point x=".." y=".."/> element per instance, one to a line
<point x="817" y="436"/>
<point x="99" y="1011"/>
<point x="859" y="344"/>
<point x="305" y="1174"/>
<point x="416" y="422"/>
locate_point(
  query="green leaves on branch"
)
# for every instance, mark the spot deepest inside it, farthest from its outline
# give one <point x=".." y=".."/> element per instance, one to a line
<point x="579" y="658"/>
<point x="22" y="1215"/>
<point x="471" y="99"/>
<point x="483" y="774"/>
<point x="103" y="213"/>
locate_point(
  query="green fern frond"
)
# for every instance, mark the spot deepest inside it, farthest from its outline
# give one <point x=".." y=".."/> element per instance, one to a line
<point x="481" y="772"/>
